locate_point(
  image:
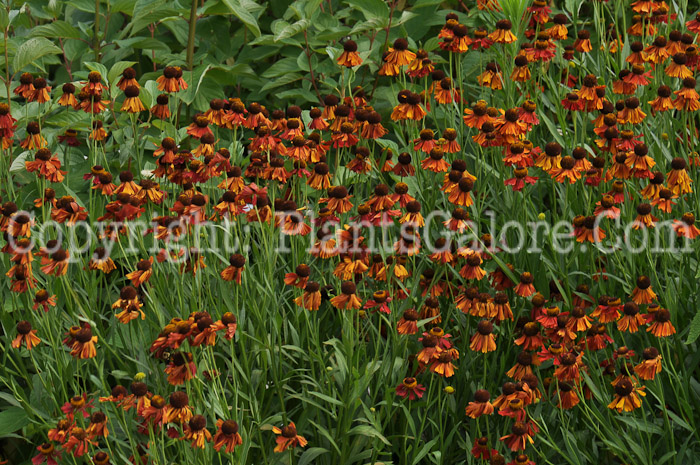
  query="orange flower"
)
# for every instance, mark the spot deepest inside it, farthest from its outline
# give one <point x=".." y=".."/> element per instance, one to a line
<point x="347" y="300"/>
<point x="199" y="127"/>
<point x="476" y="116"/>
<point x="661" y="326"/>
<point x="128" y="78"/>
<point x="521" y="73"/>
<point x="650" y="366"/>
<point x="168" y="82"/>
<point x="483" y="340"/>
<point x="132" y="103"/>
<point x="25" y="89"/>
<point x="142" y="273"/>
<point x="408" y="324"/>
<point x="47" y="165"/>
<point x="399" y="55"/>
<point x="685" y="227"/>
<point x="55" y="264"/>
<point x="161" y="109"/>
<point x="643" y="293"/>
<point x="461" y="196"/>
<point x="631" y="114"/>
<point x="338" y="200"/>
<point x="82" y="343"/>
<point x="78" y="443"/>
<point x="227" y="436"/>
<point x="25" y="336"/>
<point x="98" y="133"/>
<point x="44" y="300"/>
<point x="503" y="34"/>
<point x="677" y="68"/>
<point x="34" y="139"/>
<point x="481" y="404"/>
<point x="196" y="431"/>
<point x="41" y="92"/>
<point x="523" y="366"/>
<point x="631" y="319"/>
<point x="98" y="425"/>
<point x="287" y="437"/>
<point x="442" y="364"/>
<point x="234" y="271"/>
<point x="687" y="97"/>
<point x="181" y="368"/>
<point x="409" y="107"/>
<point x="627" y="396"/>
<point x="521" y="434"/>
<point x="67" y="98"/>
<point x="525" y="287"/>
<point x="491" y="77"/>
<point x="567" y="396"/>
<point x="311" y="298"/>
<point x="349" y="58"/>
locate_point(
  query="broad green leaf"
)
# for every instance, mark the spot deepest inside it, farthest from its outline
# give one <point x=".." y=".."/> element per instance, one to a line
<point x="31" y="50"/>
<point x="281" y="81"/>
<point x="4" y="19"/>
<point x="292" y="29"/>
<point x="18" y="163"/>
<point x="372" y="9"/>
<point x="56" y="29"/>
<point x="123" y="6"/>
<point x="694" y="329"/>
<point x="366" y="430"/>
<point x="194" y="79"/>
<point x="281" y="67"/>
<point x="246" y="17"/>
<point x="311" y="7"/>
<point x="12" y="420"/>
<point x="424" y="451"/>
<point x="310" y="455"/>
<point x="154" y="16"/>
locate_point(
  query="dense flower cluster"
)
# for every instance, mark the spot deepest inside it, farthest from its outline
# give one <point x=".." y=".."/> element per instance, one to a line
<point x="330" y="170"/>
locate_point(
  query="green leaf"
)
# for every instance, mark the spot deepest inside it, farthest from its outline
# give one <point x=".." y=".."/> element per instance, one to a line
<point x="11" y="420"/>
<point x="591" y="385"/>
<point x="18" y="163"/>
<point x="281" y="81"/>
<point x="281" y="68"/>
<point x="31" y="50"/>
<point x="372" y="9"/>
<point x="311" y="7"/>
<point x="4" y="18"/>
<point x="328" y="399"/>
<point x="56" y="29"/>
<point x="310" y="454"/>
<point x="292" y="29"/>
<point x="424" y="451"/>
<point x="123" y="6"/>
<point x="142" y="21"/>
<point x="240" y="12"/>
<point x="194" y="79"/>
<point x="9" y="398"/>
<point x="366" y="430"/>
<point x="694" y="329"/>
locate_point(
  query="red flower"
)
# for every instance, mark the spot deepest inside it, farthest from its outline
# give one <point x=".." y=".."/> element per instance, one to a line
<point x="410" y="388"/>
